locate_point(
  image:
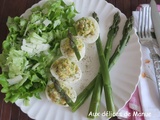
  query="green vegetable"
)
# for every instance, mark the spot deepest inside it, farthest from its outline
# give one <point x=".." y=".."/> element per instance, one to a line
<point x="107" y="52"/>
<point x="97" y="91"/>
<point x="96" y="97"/>
<point x="61" y="92"/>
<point x="30" y="48"/>
<point x="123" y="42"/>
<point x="73" y="45"/>
<point x="111" y="35"/>
<point x="94" y="108"/>
<point x="105" y="76"/>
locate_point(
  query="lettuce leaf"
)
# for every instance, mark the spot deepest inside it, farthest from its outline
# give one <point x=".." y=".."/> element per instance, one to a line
<point x="25" y="75"/>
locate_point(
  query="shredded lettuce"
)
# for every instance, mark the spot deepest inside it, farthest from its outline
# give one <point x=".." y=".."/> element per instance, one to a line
<point x="30" y="48"/>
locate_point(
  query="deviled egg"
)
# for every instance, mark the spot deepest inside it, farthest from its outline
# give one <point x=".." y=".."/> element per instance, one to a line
<point x="88" y="28"/>
<point x="64" y="69"/>
<point x="54" y="96"/>
<point x="67" y="50"/>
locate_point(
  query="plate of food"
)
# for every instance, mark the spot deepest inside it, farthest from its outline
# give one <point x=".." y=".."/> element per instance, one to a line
<point x="56" y="40"/>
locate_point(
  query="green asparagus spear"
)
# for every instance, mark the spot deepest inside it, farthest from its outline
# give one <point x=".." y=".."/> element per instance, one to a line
<point x="62" y="92"/>
<point x="87" y="91"/>
<point x="106" y="78"/>
<point x="73" y="45"/>
<point x="96" y="97"/>
<point x="97" y="91"/>
<point x="95" y="101"/>
<point x="111" y="35"/>
<point x="105" y="73"/>
<point x="123" y="42"/>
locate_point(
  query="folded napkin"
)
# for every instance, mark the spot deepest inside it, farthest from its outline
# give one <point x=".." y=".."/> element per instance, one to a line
<point x="144" y="103"/>
<point x="132" y="110"/>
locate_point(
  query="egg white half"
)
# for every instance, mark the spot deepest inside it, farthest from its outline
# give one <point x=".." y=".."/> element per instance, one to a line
<point x="53" y="96"/>
<point x="72" y="55"/>
<point x="91" y="38"/>
<point x="70" y="79"/>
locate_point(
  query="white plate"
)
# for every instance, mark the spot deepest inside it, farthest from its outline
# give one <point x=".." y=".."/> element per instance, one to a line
<point x="124" y="75"/>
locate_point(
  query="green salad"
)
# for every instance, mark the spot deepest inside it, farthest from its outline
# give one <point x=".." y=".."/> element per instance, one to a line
<point x="30" y="48"/>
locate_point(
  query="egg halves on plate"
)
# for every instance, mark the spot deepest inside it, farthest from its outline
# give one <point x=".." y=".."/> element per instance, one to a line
<point x="88" y="27"/>
<point x="54" y="96"/>
<point x="67" y="50"/>
<point x="63" y="69"/>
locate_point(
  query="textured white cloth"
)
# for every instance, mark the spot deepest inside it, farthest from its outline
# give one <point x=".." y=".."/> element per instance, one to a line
<point x="148" y="92"/>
